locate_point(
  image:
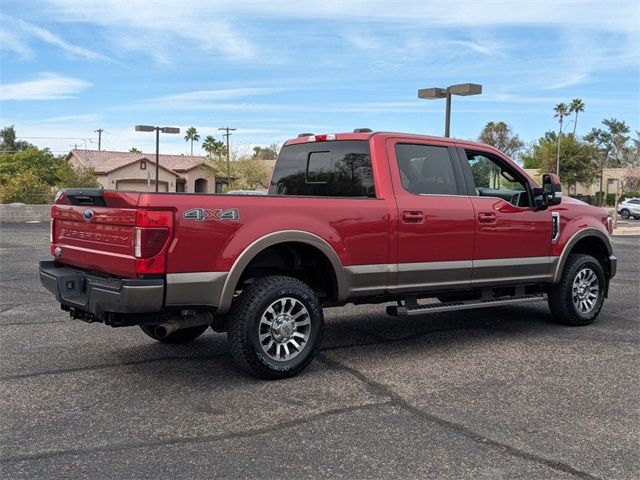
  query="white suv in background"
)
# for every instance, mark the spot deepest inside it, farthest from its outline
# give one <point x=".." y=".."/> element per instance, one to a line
<point x="630" y="208"/>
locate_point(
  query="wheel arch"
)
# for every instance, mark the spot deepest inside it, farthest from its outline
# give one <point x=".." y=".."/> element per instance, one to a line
<point x="590" y="241"/>
<point x="278" y="246"/>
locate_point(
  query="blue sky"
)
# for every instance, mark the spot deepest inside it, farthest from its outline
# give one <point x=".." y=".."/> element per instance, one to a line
<point x="273" y="69"/>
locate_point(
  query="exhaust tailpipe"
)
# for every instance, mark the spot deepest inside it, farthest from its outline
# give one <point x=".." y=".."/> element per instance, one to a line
<point x="165" y="329"/>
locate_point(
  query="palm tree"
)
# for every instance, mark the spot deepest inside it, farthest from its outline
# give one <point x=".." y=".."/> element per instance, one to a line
<point x="561" y="111"/>
<point x="192" y="135"/>
<point x="577" y="106"/>
<point x="209" y="145"/>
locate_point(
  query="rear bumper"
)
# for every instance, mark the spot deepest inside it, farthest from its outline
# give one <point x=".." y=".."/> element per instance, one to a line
<point x="78" y="290"/>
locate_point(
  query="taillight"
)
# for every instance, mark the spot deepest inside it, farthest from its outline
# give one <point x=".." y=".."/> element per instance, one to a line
<point x="152" y="234"/>
<point x="52" y="229"/>
<point x="149" y="241"/>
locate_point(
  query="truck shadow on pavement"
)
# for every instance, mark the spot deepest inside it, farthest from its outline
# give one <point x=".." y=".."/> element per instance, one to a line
<point x="367" y="333"/>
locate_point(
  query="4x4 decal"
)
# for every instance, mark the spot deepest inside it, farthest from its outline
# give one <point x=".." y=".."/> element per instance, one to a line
<point x="206" y="214"/>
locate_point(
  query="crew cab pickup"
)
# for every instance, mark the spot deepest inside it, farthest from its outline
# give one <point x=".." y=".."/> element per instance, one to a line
<point x="430" y="224"/>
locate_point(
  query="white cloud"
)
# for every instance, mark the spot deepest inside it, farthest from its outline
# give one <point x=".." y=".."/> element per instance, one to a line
<point x="156" y="28"/>
<point x="91" y="118"/>
<point x="216" y="94"/>
<point x="619" y="15"/>
<point x="20" y="29"/>
<point x="484" y="48"/>
<point x="46" y="86"/>
<point x="10" y="42"/>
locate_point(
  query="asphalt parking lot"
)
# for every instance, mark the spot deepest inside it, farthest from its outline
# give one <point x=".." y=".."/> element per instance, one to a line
<point x="494" y="393"/>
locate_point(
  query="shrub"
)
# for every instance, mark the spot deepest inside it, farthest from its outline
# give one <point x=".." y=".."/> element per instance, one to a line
<point x="26" y="187"/>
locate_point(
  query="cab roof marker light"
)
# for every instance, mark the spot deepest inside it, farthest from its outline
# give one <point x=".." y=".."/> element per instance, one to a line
<point x="327" y="137"/>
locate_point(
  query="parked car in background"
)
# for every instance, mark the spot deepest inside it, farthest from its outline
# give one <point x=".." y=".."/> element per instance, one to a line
<point x="630" y="208"/>
<point x="246" y="192"/>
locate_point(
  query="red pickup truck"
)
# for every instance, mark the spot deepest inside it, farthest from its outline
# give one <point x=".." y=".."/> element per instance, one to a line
<point x="433" y="224"/>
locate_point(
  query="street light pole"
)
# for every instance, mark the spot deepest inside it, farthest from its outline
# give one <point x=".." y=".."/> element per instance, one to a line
<point x="157" y="157"/>
<point x="558" y="156"/>
<point x="149" y="128"/>
<point x="462" y="89"/>
<point x="447" y="115"/>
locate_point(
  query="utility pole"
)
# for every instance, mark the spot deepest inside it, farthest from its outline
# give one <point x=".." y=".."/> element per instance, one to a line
<point x="99" y="132"/>
<point x="227" y="134"/>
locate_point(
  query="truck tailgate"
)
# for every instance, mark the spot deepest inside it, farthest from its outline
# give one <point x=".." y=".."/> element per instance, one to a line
<point x="94" y="230"/>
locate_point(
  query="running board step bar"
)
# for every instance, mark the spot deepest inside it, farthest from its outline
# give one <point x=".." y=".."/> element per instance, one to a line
<point x="405" y="311"/>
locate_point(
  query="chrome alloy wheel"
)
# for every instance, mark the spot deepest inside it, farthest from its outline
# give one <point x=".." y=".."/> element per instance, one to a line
<point x="585" y="291"/>
<point x="284" y="329"/>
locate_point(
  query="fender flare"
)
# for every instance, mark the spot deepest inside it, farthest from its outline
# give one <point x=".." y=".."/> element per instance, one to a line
<point x="270" y="240"/>
<point x="580" y="235"/>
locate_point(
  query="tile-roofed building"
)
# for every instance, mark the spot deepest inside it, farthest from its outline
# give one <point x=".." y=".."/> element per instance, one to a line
<point x="136" y="171"/>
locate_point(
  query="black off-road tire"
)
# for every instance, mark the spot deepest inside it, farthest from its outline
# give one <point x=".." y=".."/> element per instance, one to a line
<point x="561" y="296"/>
<point x="183" y="335"/>
<point x="243" y="321"/>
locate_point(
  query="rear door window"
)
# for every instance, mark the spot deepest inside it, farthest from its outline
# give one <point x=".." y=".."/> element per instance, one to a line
<point x="331" y="169"/>
<point x="426" y="169"/>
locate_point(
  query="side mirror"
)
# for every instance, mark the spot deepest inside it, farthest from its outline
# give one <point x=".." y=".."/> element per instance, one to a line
<point x="551" y="192"/>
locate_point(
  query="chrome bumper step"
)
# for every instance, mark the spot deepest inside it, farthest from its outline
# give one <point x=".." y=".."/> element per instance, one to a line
<point x="405" y="311"/>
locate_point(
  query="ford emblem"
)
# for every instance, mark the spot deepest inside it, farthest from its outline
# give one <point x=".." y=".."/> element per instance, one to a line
<point x="87" y="214"/>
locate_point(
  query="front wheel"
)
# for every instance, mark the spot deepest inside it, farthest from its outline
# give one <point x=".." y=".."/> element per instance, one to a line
<point x="624" y="213"/>
<point x="275" y="327"/>
<point x="579" y="296"/>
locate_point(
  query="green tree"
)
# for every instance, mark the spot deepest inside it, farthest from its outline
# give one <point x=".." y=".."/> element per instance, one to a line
<point x="576" y="106"/>
<point x="576" y="159"/>
<point x="499" y="135"/>
<point x="266" y="153"/>
<point x="611" y="144"/>
<point x="213" y="147"/>
<point x="134" y="150"/>
<point x="561" y="110"/>
<point x="71" y="177"/>
<point x="9" y="142"/>
<point x="192" y="136"/>
<point x="544" y="147"/>
<point x="26" y="187"/>
<point x="245" y="173"/>
<point x="39" y="161"/>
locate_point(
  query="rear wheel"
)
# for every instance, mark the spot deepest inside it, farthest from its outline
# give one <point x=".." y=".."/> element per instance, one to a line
<point x="579" y="296"/>
<point x="183" y="335"/>
<point x="624" y="213"/>
<point x="275" y="327"/>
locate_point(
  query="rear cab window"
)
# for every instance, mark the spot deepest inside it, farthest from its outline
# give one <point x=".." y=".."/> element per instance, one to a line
<point x="339" y="168"/>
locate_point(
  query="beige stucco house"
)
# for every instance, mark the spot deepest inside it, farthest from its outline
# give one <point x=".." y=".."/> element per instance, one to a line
<point x="136" y="171"/>
<point x="611" y="178"/>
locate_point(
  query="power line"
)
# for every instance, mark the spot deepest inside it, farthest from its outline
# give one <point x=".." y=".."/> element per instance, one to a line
<point x="53" y="138"/>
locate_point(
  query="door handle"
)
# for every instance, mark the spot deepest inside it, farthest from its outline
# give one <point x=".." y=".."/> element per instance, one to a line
<point x="484" y="217"/>
<point x="412" y="217"/>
